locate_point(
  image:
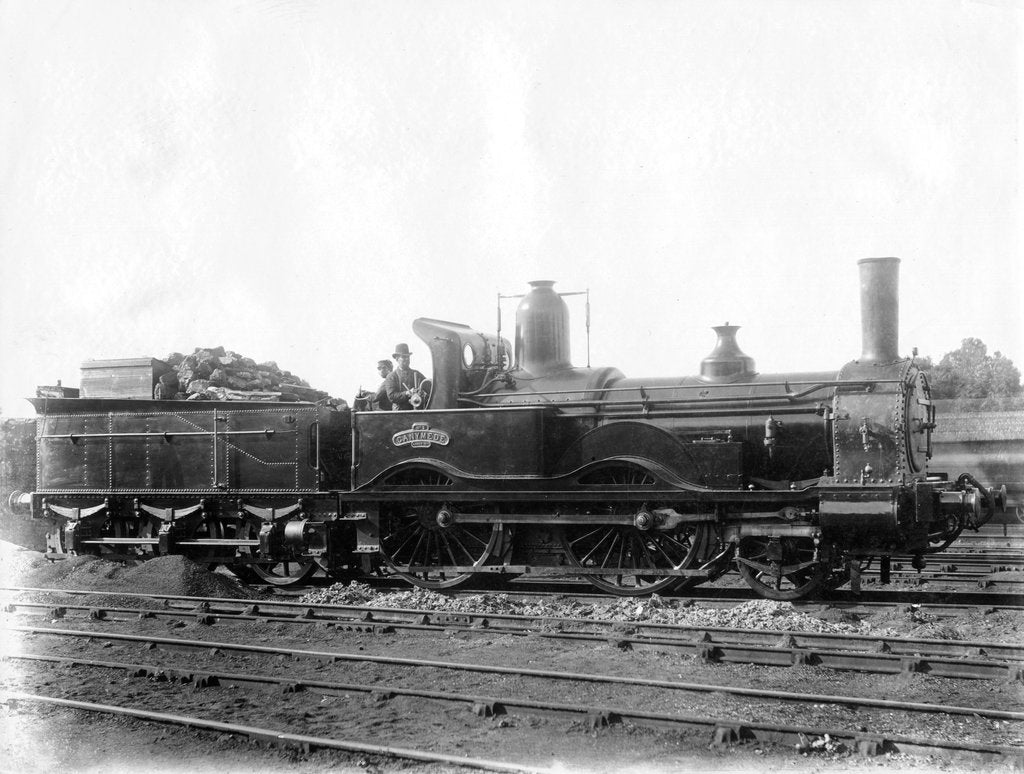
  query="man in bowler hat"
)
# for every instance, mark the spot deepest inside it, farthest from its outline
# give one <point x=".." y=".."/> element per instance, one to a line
<point x="401" y="383"/>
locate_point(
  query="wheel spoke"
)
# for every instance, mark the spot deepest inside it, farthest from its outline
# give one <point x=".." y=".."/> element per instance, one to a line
<point x="585" y="537"/>
<point x="684" y="544"/>
<point x="651" y="561"/>
<point x="408" y="534"/>
<point x="611" y="547"/>
<point x="597" y="545"/>
<point x="458" y="537"/>
<point x="447" y="542"/>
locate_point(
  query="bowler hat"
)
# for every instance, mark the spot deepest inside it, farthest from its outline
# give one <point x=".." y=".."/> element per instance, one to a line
<point x="401" y="349"/>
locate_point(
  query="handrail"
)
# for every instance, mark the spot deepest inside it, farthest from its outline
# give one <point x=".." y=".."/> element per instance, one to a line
<point x="815" y="386"/>
<point x="645" y="402"/>
<point x="268" y="432"/>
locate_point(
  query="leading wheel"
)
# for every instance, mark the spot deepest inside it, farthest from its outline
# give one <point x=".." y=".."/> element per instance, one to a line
<point x="780" y="568"/>
<point x="426" y="547"/>
<point x="631" y="554"/>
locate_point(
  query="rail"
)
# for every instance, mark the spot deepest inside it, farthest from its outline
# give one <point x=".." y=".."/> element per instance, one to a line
<point x="254" y="733"/>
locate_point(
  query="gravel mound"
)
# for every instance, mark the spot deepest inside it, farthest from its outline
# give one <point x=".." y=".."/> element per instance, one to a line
<point x="758" y="614"/>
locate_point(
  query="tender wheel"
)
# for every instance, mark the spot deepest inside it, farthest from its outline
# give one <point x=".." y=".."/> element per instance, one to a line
<point x="630" y="551"/>
<point x="423" y="546"/>
<point x="780" y="568"/>
<point x="211" y="528"/>
<point x="121" y="528"/>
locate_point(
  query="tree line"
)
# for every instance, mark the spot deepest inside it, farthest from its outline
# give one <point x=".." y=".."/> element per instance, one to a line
<point x="971" y="373"/>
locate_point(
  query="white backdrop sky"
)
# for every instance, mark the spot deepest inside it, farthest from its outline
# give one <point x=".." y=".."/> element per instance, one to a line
<point x="297" y="181"/>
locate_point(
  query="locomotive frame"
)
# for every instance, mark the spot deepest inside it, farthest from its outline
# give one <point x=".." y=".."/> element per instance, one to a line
<point x="531" y="466"/>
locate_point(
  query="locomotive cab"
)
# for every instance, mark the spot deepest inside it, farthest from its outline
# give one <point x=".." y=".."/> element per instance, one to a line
<point x="465" y="361"/>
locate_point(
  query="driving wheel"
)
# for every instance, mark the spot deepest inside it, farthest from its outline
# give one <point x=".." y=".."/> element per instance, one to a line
<point x="427" y="547"/>
<point x="630" y="554"/>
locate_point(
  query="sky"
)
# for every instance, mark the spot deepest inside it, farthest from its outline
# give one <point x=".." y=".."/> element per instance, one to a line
<point x="298" y="181"/>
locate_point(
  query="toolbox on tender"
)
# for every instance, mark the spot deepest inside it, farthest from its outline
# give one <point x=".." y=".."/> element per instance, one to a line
<point x="125" y="378"/>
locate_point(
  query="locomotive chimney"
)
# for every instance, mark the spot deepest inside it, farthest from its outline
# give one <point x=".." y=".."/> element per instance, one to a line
<point x="879" y="309"/>
<point x="542" y="330"/>
<point x="726" y="361"/>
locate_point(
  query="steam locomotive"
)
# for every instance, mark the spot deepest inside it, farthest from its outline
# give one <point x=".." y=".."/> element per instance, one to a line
<point x="518" y="463"/>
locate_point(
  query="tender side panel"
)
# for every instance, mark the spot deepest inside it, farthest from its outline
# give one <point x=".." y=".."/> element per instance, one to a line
<point x="258" y="450"/>
<point x="72" y="452"/>
<point x="271" y="450"/>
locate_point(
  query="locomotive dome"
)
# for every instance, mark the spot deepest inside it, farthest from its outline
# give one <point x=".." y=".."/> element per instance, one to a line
<point x="542" y="331"/>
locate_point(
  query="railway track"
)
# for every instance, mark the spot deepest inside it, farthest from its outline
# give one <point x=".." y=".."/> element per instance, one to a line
<point x="195" y="673"/>
<point x="369" y="660"/>
<point x="378" y="662"/>
<point x="883" y="654"/>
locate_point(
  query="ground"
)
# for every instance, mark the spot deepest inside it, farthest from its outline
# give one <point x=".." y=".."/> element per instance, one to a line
<point x="39" y="739"/>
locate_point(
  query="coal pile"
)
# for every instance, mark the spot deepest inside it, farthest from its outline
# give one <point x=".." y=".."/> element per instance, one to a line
<point x="219" y="374"/>
<point x="172" y="575"/>
<point x="180" y="576"/>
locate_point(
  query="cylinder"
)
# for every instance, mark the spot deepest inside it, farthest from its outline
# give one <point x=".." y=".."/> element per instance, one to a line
<point x="542" y="330"/>
<point x="880" y="309"/>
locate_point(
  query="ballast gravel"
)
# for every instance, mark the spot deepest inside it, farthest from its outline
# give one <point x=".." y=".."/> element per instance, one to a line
<point x="985" y="624"/>
<point x="756" y="614"/>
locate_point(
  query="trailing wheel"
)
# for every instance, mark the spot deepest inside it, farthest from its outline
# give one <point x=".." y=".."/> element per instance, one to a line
<point x="429" y="548"/>
<point x="285" y="573"/>
<point x="630" y="554"/>
<point x="781" y="568"/>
